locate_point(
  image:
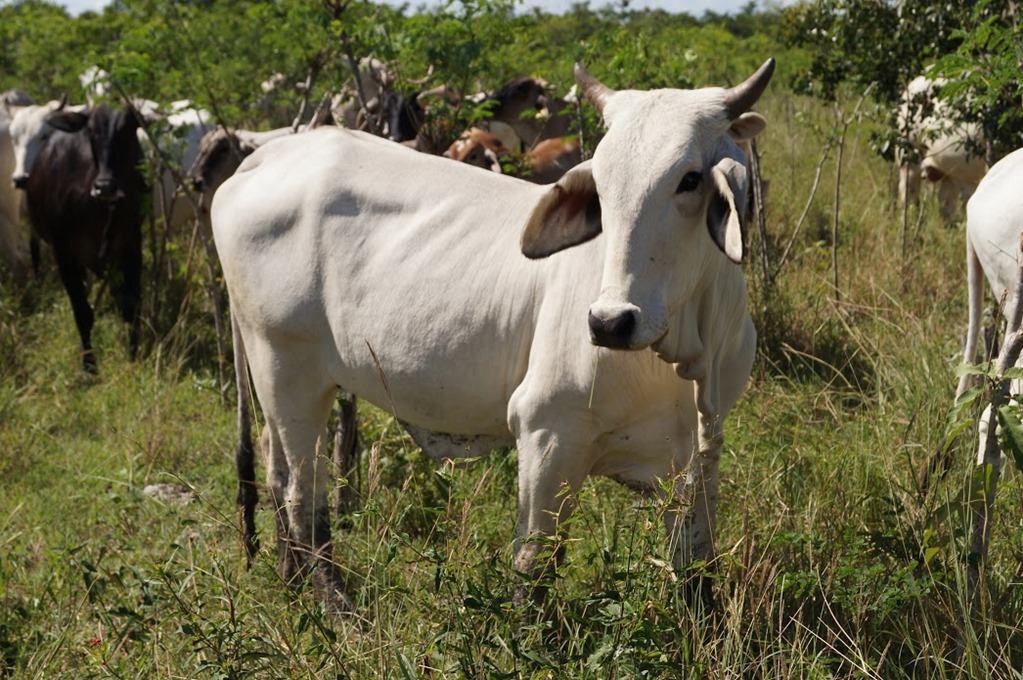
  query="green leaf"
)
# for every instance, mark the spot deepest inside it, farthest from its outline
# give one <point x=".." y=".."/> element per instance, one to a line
<point x="983" y="368"/>
<point x="1012" y="433"/>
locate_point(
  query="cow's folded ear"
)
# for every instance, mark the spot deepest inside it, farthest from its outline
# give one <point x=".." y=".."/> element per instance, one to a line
<point x="67" y="121"/>
<point x="567" y="215"/>
<point x="726" y="213"/>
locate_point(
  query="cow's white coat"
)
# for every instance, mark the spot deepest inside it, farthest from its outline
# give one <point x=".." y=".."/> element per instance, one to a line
<point x="994" y="225"/>
<point x="354" y="262"/>
<point x="13" y="235"/>
<point x="950" y="151"/>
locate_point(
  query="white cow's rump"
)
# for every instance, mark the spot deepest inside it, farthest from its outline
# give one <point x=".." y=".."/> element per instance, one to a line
<point x="950" y="152"/>
<point x="354" y="262"/>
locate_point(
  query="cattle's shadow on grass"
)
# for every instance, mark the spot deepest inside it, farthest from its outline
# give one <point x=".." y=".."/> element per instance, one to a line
<point x="812" y="349"/>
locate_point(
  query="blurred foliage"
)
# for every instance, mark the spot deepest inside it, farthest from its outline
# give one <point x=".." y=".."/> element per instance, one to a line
<point x="218" y="53"/>
<point x="976" y="46"/>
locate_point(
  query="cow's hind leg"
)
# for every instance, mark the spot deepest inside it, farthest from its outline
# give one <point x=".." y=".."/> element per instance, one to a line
<point x="292" y="566"/>
<point x="127" y="290"/>
<point x="297" y="405"/>
<point x="346" y="455"/>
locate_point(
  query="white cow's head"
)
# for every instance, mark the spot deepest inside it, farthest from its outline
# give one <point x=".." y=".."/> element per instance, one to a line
<point x="667" y="186"/>
<point x="29" y="134"/>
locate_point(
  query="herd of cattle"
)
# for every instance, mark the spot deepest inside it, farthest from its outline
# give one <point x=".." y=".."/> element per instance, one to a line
<point x="91" y="226"/>
<point x="356" y="261"/>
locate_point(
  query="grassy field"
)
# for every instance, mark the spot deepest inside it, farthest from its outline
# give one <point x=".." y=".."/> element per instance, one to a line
<point x="831" y="563"/>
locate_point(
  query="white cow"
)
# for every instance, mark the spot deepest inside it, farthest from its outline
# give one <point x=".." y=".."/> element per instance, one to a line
<point x="13" y="236"/>
<point x="30" y="133"/>
<point x="355" y="262"/>
<point x="950" y="153"/>
<point x="994" y="226"/>
<point x="178" y="133"/>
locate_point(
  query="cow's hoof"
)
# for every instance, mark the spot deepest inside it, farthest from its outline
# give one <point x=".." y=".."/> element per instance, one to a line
<point x="291" y="567"/>
<point x="331" y="589"/>
<point x="696" y="589"/>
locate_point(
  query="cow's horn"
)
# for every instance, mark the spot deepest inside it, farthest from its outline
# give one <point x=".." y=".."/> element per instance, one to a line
<point x="597" y="92"/>
<point x="742" y="97"/>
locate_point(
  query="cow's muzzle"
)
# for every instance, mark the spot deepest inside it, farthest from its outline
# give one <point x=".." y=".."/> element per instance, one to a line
<point x="106" y="190"/>
<point x="19" y="181"/>
<point x="612" y="328"/>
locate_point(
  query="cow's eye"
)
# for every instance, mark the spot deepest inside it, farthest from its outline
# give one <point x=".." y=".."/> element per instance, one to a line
<point x="690" y="182"/>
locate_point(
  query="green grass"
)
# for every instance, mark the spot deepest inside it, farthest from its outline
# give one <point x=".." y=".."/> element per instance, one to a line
<point x="822" y="535"/>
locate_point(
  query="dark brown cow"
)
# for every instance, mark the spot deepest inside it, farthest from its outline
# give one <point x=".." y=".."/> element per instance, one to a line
<point x="84" y="198"/>
<point x="526" y="105"/>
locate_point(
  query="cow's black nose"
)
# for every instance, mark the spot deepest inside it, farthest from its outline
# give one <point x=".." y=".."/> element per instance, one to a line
<point x="614" y="331"/>
<point x="105" y="190"/>
<point x="20" y="181"/>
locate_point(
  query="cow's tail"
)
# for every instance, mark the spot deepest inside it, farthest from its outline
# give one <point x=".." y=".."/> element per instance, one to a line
<point x="245" y="455"/>
<point x="975" y="286"/>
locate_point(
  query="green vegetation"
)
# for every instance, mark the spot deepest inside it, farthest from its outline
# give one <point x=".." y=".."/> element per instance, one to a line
<point x="832" y="563"/>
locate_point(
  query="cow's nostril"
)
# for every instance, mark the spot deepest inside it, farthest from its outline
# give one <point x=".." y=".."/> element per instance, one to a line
<point x="20" y="182"/>
<point x="614" y="331"/>
<point x="105" y="190"/>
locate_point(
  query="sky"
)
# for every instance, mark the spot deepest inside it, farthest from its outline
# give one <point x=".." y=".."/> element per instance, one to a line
<point x="694" y="7"/>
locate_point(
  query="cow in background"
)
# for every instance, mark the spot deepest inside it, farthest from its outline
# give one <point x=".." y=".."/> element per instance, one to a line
<point x="372" y="102"/>
<point x="941" y="150"/>
<point x="14" y="247"/>
<point x="527" y="106"/>
<point x="221" y="151"/>
<point x="84" y="196"/>
<point x="14" y="99"/>
<point x="544" y="163"/>
<point x="177" y="129"/>
<point x="170" y="141"/>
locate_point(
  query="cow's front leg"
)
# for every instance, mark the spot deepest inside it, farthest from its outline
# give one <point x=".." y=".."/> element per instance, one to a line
<point x="73" y="278"/>
<point x="549" y="478"/>
<point x="691" y="527"/>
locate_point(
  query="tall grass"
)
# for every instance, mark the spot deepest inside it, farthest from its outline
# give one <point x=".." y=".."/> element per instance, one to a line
<point x="831" y="563"/>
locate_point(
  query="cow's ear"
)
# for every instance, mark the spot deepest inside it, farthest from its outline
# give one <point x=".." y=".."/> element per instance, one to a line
<point x="67" y="121"/>
<point x="567" y="215"/>
<point x="726" y="213"/>
<point x="247" y="146"/>
<point x="746" y="127"/>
